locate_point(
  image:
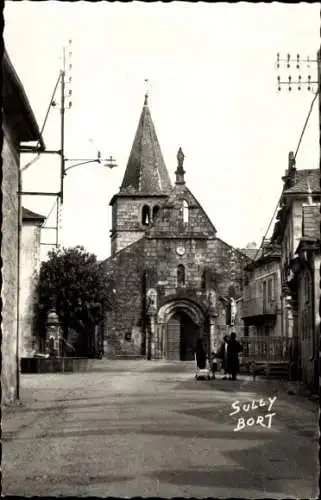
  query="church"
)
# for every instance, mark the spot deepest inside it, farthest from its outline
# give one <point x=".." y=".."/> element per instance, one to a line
<point x="172" y="278"/>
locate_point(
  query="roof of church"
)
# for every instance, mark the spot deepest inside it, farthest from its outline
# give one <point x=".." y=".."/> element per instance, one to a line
<point x="146" y="170"/>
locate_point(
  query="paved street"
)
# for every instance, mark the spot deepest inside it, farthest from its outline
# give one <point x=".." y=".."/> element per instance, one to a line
<point x="144" y="428"/>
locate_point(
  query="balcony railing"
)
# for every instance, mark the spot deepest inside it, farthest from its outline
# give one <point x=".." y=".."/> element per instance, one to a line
<point x="257" y="307"/>
<point x="266" y="349"/>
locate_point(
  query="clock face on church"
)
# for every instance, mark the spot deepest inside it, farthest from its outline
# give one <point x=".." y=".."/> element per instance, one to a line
<point x="180" y="250"/>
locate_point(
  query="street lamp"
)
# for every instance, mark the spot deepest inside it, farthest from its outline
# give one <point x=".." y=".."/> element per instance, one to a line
<point x="106" y="162"/>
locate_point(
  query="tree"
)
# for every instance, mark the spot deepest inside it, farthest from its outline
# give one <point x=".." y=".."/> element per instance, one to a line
<point x="75" y="284"/>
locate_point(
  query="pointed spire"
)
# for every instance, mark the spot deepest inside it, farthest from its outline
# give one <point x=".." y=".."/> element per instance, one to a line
<point x="180" y="170"/>
<point x="146" y="171"/>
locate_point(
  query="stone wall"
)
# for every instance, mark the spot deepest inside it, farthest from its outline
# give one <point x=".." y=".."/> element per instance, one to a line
<point x="224" y="263"/>
<point x="9" y="254"/>
<point x="30" y="263"/>
<point x="125" y="318"/>
<point x="127" y="224"/>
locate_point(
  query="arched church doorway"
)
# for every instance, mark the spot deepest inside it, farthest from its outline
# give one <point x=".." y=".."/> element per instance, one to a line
<point x="182" y="333"/>
<point x="180" y="323"/>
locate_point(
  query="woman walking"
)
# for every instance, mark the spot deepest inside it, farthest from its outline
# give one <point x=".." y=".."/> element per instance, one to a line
<point x="233" y="350"/>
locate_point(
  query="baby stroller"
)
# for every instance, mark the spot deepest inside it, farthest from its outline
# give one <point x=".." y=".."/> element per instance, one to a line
<point x="203" y="366"/>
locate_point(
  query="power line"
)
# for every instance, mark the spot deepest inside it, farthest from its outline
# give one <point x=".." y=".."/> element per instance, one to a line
<point x="297" y="149"/>
<point x="306" y="122"/>
<point x="49" y="107"/>
<point x="31" y="162"/>
<point x="42" y="128"/>
<point x="272" y="219"/>
<point x="51" y="210"/>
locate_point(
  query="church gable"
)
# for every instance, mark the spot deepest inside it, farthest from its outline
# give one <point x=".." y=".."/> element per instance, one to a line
<point x="181" y="215"/>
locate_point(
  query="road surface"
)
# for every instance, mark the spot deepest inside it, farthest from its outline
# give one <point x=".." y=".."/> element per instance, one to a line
<point x="144" y="428"/>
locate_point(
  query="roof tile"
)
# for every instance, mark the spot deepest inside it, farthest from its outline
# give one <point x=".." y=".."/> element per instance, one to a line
<point x="302" y="178"/>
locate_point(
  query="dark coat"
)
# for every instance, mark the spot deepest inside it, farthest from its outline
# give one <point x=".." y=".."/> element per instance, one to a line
<point x="200" y="355"/>
<point x="233" y="350"/>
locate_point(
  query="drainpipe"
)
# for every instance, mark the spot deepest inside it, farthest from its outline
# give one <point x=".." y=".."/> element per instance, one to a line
<point x="18" y="287"/>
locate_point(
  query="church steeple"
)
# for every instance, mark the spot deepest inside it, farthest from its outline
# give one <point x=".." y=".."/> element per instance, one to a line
<point x="180" y="172"/>
<point x="146" y="171"/>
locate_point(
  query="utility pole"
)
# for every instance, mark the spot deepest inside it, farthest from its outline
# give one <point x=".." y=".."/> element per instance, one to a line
<point x="309" y="83"/>
<point x="299" y="82"/>
<point x="62" y="126"/>
<point x="66" y="60"/>
<point x="64" y="80"/>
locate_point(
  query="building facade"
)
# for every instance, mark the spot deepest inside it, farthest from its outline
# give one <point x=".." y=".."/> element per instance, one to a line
<point x="261" y="308"/>
<point x="306" y="268"/>
<point x="288" y="232"/>
<point x="19" y="125"/>
<point x="30" y="265"/>
<point x="172" y="278"/>
<point x="299" y="284"/>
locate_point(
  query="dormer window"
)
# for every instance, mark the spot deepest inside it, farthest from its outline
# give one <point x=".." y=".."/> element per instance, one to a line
<point x="185" y="212"/>
<point x="146" y="215"/>
<point x="180" y="275"/>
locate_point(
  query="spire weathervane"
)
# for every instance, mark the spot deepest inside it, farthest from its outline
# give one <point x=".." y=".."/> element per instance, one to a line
<point x="146" y="92"/>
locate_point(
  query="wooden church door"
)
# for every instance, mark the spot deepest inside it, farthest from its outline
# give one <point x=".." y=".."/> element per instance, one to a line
<point x="173" y="337"/>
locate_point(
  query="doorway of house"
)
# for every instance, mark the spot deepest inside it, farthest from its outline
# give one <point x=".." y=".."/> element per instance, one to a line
<point x="181" y="337"/>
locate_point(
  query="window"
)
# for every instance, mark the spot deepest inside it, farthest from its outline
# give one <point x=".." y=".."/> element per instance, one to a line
<point x="155" y="211"/>
<point x="114" y="216"/>
<point x="180" y="275"/>
<point x="203" y="280"/>
<point x="185" y="212"/>
<point x="146" y="215"/>
<point x="307" y="288"/>
<point x="270" y="291"/>
<point x="264" y="294"/>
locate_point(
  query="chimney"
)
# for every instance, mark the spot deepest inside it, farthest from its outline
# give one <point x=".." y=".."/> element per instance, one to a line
<point x="290" y="173"/>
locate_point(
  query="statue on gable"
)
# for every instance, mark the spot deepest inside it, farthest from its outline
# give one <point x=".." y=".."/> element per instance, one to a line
<point x="151" y="301"/>
<point x="180" y="158"/>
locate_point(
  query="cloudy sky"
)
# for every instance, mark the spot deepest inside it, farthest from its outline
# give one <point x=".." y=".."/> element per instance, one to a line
<point x="213" y="91"/>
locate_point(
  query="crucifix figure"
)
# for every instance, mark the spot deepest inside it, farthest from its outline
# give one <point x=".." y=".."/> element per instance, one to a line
<point x="230" y="310"/>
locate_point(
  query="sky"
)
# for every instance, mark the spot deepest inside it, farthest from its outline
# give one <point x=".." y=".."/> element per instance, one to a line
<point x="212" y="83"/>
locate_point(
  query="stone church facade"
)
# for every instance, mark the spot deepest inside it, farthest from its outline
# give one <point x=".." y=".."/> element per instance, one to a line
<point x="172" y="278"/>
